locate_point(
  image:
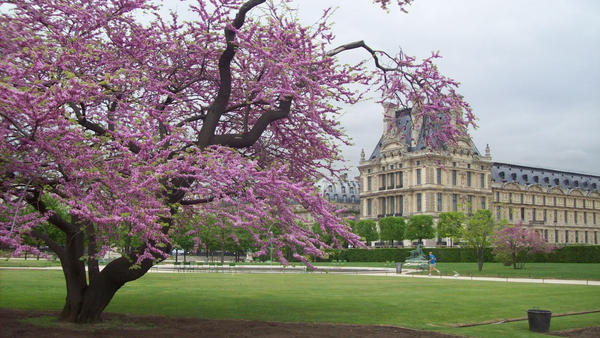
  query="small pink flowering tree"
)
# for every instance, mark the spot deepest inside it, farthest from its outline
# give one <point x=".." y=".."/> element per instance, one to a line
<point x="515" y="243"/>
<point x="112" y="126"/>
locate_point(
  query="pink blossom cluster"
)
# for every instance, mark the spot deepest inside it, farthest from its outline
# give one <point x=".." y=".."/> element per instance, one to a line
<point x="517" y="242"/>
<point x="124" y="123"/>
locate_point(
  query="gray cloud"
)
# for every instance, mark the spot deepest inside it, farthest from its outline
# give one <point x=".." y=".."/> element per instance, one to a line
<point x="530" y="70"/>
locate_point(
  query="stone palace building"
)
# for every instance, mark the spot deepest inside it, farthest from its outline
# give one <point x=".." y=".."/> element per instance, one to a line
<point x="403" y="177"/>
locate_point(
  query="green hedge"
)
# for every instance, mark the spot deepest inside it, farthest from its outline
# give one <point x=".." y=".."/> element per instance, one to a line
<point x="567" y="254"/>
<point x="400" y="254"/>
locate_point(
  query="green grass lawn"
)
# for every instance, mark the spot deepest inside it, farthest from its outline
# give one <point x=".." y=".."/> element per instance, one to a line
<point x="585" y="271"/>
<point x="41" y="263"/>
<point x="430" y="304"/>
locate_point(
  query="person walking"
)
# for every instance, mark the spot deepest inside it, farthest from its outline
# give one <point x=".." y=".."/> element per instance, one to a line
<point x="432" y="261"/>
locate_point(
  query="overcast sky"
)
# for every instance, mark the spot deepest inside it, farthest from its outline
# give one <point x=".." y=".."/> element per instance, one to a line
<point x="530" y="70"/>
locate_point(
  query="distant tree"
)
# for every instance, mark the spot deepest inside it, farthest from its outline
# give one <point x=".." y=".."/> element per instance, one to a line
<point x="367" y="230"/>
<point x="241" y="242"/>
<point x="392" y="229"/>
<point x="324" y="236"/>
<point x="419" y="227"/>
<point x="478" y="233"/>
<point x="515" y="243"/>
<point x="449" y="224"/>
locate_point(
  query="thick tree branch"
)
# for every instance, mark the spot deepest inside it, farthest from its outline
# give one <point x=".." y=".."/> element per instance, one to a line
<point x="93" y="268"/>
<point x="58" y="250"/>
<point x="197" y="201"/>
<point x="191" y="119"/>
<point x="96" y="128"/>
<point x="218" y="106"/>
<point x="36" y="202"/>
<point x="249" y="138"/>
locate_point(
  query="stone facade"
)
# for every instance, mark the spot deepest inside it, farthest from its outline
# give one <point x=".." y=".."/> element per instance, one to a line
<point x="342" y="192"/>
<point x="403" y="177"/>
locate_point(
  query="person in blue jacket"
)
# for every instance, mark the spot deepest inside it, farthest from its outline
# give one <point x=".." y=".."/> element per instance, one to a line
<point x="432" y="261"/>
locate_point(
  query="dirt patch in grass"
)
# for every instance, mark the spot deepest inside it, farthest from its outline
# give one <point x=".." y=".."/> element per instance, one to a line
<point x="20" y="323"/>
<point x="588" y="332"/>
<point x="23" y="323"/>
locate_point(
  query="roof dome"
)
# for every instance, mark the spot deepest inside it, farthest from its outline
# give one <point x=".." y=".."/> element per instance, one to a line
<point x="340" y="190"/>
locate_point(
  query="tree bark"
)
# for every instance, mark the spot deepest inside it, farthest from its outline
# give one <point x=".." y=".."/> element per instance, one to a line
<point x="103" y="288"/>
<point x="480" y="258"/>
<point x="85" y="304"/>
<point x="74" y="271"/>
<point x="86" y="300"/>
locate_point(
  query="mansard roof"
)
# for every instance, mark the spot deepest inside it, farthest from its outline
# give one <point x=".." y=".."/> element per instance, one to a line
<point x="340" y="190"/>
<point x="548" y="178"/>
<point x="404" y="126"/>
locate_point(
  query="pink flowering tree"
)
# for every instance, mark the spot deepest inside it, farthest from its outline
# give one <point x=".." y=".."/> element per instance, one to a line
<point x="111" y="126"/>
<point x="515" y="243"/>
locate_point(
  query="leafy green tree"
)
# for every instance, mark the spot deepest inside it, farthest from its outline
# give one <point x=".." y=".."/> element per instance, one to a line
<point x="325" y="237"/>
<point x="392" y="229"/>
<point x="478" y="233"/>
<point x="450" y="224"/>
<point x="241" y="241"/>
<point x="183" y="235"/>
<point x="367" y="229"/>
<point x="419" y="227"/>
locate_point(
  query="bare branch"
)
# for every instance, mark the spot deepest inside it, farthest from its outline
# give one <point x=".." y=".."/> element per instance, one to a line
<point x="36" y="202"/>
<point x="96" y="128"/>
<point x="360" y="44"/>
<point x="59" y="250"/>
<point x="197" y="201"/>
<point x="249" y="138"/>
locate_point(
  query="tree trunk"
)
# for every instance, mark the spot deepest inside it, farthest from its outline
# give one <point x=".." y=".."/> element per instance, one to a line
<point x="86" y="301"/>
<point x="480" y="258"/>
<point x="74" y="271"/>
<point x="85" y="304"/>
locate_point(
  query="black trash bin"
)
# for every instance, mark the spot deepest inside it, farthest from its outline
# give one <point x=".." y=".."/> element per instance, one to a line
<point x="539" y="320"/>
<point x="398" y="267"/>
